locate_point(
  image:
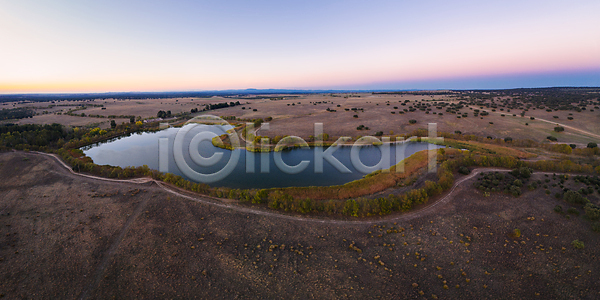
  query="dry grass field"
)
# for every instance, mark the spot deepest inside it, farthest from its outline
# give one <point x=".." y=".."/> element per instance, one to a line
<point x="66" y="236"/>
<point x="296" y="115"/>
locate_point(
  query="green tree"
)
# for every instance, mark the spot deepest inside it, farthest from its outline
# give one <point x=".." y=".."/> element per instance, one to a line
<point x="113" y="124"/>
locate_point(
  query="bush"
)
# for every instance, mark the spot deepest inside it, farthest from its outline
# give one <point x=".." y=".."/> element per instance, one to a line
<point x="464" y="170"/>
<point x="516" y="233"/>
<point x="551" y="138"/>
<point x="596" y="226"/>
<point x="575" y="198"/>
<point x="592" y="211"/>
<point x="515" y="190"/>
<point x="261" y="196"/>
<point x="573" y="211"/>
<point x="573" y="146"/>
<point x="522" y="172"/>
<point x="559" y="129"/>
<point x="558" y="209"/>
<point x="508" y="139"/>
<point x="412" y="121"/>
<point x="592" y="145"/>
<point x="577" y="244"/>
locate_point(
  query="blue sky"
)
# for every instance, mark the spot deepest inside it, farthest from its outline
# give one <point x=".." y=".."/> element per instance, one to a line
<point x="101" y="46"/>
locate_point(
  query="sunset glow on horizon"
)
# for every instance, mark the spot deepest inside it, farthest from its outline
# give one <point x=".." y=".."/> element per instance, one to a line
<point x="110" y="46"/>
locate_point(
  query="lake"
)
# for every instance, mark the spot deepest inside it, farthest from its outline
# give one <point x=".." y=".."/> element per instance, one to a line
<point x="143" y="149"/>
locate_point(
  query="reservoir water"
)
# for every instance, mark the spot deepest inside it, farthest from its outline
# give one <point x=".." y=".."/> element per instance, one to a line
<point x="143" y="149"/>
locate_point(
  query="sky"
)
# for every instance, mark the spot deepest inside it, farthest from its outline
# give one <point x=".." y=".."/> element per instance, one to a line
<point x="149" y="45"/>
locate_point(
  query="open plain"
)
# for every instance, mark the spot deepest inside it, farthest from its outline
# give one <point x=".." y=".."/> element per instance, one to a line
<point x="341" y="115"/>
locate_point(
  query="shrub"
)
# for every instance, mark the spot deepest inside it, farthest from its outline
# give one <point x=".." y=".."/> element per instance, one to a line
<point x="592" y="145"/>
<point x="559" y="129"/>
<point x="464" y="170"/>
<point x="573" y="211"/>
<point x="508" y="139"/>
<point x="575" y="198"/>
<point x="577" y="244"/>
<point x="516" y="233"/>
<point x="522" y="172"/>
<point x="531" y="118"/>
<point x="515" y="190"/>
<point x="558" y="209"/>
<point x="551" y="138"/>
<point x="355" y="116"/>
<point x="592" y="211"/>
<point x="261" y="196"/>
<point x="573" y="146"/>
<point x="412" y="121"/>
<point x="596" y="226"/>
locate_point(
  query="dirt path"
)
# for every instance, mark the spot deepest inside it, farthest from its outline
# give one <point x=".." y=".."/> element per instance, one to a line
<point x="107" y="257"/>
<point x="559" y="124"/>
<point x="570" y="127"/>
<point x="429" y="208"/>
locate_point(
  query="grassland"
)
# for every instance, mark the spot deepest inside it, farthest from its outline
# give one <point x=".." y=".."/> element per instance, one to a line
<point x="296" y="115"/>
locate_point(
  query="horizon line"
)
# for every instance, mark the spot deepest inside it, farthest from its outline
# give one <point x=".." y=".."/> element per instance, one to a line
<point x="288" y="90"/>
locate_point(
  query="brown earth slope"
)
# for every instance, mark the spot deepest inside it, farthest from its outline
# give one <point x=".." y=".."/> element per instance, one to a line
<point x="65" y="236"/>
